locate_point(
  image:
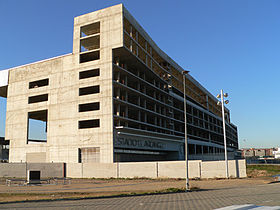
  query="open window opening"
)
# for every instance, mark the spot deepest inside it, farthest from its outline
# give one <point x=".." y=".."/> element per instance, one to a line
<point x="89" y="73"/>
<point x="83" y="124"/>
<point x="38" y="98"/>
<point x="89" y="90"/>
<point x="91" y="43"/>
<point x="90" y="56"/>
<point x="89" y="107"/>
<point x="90" y="29"/>
<point x="39" y="83"/>
<point x="37" y="126"/>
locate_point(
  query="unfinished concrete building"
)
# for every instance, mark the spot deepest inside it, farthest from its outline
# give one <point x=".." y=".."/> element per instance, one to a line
<point x="117" y="97"/>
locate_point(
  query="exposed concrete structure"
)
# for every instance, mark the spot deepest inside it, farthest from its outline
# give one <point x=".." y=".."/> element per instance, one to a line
<point x="118" y="97"/>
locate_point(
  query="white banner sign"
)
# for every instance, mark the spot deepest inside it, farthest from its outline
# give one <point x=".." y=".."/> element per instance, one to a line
<point x="4" y="75"/>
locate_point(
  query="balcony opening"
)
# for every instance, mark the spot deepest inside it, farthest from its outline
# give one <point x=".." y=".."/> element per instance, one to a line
<point x="38" y="98"/>
<point x="83" y="124"/>
<point x="89" y="107"/>
<point x="90" y="43"/>
<point x="90" y="29"/>
<point x="89" y="90"/>
<point x="39" y="83"/>
<point x="89" y="56"/>
<point x="37" y="126"/>
<point x="89" y="73"/>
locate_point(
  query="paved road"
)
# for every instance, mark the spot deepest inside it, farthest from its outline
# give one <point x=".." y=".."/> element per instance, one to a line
<point x="265" y="195"/>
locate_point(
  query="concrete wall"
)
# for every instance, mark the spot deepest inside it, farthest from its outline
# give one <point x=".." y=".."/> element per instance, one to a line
<point x="13" y="170"/>
<point x="217" y="169"/>
<point x="19" y="170"/>
<point x="167" y="169"/>
<point x="74" y="170"/>
<point x="138" y="169"/>
<point x="177" y="169"/>
<point x="47" y="169"/>
<point x="36" y="157"/>
<point x="106" y="170"/>
<point x="241" y="166"/>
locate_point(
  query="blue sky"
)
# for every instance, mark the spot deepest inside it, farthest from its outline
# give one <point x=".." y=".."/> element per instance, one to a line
<point x="233" y="44"/>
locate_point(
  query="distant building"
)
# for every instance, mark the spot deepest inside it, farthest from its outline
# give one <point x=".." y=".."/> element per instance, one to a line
<point x="276" y="153"/>
<point x="248" y="153"/>
<point x="257" y="152"/>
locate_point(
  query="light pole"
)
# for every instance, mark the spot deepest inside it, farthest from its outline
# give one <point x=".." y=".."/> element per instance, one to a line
<point x="222" y="95"/>
<point x="186" y="133"/>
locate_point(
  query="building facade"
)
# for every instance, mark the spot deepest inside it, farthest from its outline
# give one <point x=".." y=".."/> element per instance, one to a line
<point x="258" y="152"/>
<point x="117" y="97"/>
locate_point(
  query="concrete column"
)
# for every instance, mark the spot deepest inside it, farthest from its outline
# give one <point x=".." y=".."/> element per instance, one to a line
<point x="191" y="114"/>
<point x="130" y="33"/>
<point x="207" y="102"/>
<point x="118" y="77"/>
<point x="137" y="42"/>
<point x="130" y="46"/>
<point x="118" y="109"/>
<point x="145" y="117"/>
<point x="118" y="61"/>
<point x="151" y="53"/>
<point x="125" y="80"/>
<point x="126" y="111"/>
<point x="139" y="115"/>
<point x="146" y="60"/>
<point x="118" y="93"/>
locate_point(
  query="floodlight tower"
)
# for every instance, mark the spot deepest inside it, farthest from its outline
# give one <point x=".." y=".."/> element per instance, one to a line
<point x="222" y="102"/>
<point x="184" y="73"/>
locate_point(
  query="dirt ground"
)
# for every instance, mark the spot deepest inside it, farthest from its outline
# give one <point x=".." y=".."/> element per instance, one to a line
<point x="81" y="188"/>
